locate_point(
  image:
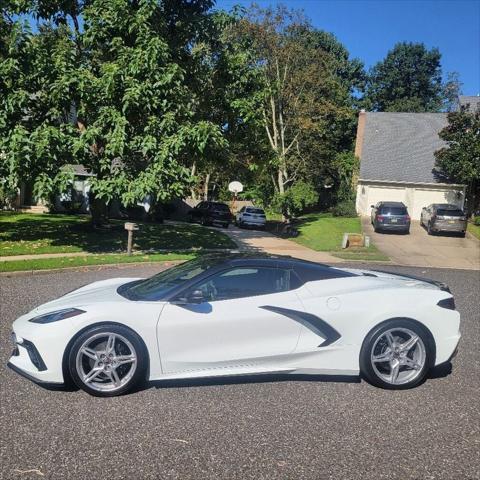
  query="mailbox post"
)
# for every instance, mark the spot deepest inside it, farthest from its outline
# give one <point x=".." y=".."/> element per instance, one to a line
<point x="130" y="227"/>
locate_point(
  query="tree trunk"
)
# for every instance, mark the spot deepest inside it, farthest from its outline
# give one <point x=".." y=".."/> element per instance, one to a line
<point x="205" y="187"/>
<point x="98" y="210"/>
<point x="193" y="193"/>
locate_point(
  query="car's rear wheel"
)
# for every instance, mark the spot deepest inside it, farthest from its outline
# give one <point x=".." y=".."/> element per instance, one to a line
<point x="397" y="355"/>
<point x="108" y="360"/>
<point x="429" y="228"/>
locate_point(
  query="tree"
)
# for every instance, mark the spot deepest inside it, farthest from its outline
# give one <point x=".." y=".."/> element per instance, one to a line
<point x="459" y="160"/>
<point x="409" y="79"/>
<point x="110" y="92"/>
<point x="303" y="105"/>
<point x="452" y="89"/>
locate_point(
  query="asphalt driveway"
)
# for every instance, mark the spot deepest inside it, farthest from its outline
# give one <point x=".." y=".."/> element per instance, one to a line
<point x="241" y="428"/>
<point x="420" y="249"/>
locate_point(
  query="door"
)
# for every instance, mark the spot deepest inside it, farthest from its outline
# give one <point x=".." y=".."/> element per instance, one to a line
<point x="385" y="194"/>
<point x="232" y="325"/>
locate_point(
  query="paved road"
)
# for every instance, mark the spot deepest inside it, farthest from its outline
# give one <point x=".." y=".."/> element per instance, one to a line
<point x="421" y="249"/>
<point x="261" y="428"/>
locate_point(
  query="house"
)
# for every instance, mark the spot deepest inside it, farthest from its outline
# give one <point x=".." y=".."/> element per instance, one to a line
<point x="78" y="194"/>
<point x="397" y="161"/>
<point x="470" y="102"/>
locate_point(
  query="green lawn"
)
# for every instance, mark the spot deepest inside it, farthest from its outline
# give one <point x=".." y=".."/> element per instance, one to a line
<point x="324" y="232"/>
<point x="474" y="230"/>
<point x="23" y="234"/>
<point x="87" y="260"/>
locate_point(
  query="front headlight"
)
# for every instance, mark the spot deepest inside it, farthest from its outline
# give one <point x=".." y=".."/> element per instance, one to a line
<point x="56" y="316"/>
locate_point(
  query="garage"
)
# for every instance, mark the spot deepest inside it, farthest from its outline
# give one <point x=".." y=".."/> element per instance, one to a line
<point x="397" y="161"/>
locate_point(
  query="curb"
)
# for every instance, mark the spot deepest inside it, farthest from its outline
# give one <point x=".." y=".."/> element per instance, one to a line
<point x="87" y="268"/>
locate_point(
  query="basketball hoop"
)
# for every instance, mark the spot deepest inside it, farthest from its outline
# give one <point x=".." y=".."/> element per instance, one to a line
<point x="235" y="187"/>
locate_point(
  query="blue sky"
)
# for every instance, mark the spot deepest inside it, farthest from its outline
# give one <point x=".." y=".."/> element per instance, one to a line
<point x="369" y="28"/>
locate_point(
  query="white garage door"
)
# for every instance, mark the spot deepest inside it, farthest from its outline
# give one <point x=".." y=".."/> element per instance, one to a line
<point x="385" y="194"/>
<point x="424" y="197"/>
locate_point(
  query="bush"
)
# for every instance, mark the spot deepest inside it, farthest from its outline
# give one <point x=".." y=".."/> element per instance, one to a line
<point x="476" y="220"/>
<point x="345" y="209"/>
<point x="295" y="200"/>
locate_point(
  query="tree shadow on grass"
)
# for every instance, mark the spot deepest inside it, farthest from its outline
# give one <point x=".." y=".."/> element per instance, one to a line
<point x="67" y="233"/>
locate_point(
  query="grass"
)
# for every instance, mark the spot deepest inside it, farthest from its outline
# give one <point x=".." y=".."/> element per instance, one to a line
<point x="324" y="232"/>
<point x="87" y="260"/>
<point x="24" y="234"/>
<point x="474" y="230"/>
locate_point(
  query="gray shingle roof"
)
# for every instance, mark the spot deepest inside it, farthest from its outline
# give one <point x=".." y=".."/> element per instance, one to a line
<point x="473" y="102"/>
<point x="399" y="147"/>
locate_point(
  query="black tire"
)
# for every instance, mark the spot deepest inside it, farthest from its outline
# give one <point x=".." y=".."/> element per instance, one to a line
<point x="190" y="218"/>
<point x="429" y="229"/>
<point x="376" y="229"/>
<point x="367" y="370"/>
<point x="137" y="378"/>
<point x="225" y="225"/>
<point x="462" y="234"/>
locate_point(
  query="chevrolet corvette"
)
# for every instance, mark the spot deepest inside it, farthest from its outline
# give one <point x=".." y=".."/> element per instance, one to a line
<point x="239" y="315"/>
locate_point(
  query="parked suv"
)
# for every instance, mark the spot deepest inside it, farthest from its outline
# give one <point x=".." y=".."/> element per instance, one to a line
<point x="251" y="217"/>
<point x="210" y="213"/>
<point x="443" y="217"/>
<point x="390" y="216"/>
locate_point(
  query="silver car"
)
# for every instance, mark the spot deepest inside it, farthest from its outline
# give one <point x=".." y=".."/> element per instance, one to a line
<point x="443" y="217"/>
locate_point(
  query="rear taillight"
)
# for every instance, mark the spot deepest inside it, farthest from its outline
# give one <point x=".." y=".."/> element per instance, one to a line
<point x="380" y="218"/>
<point x="448" y="303"/>
<point x="407" y="218"/>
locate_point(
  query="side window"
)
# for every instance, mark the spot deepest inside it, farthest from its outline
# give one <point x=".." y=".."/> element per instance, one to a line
<point x="200" y="205"/>
<point x="244" y="282"/>
<point x="242" y="210"/>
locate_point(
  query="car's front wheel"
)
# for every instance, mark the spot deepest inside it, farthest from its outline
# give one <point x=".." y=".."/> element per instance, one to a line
<point x="108" y="360"/>
<point x="397" y="354"/>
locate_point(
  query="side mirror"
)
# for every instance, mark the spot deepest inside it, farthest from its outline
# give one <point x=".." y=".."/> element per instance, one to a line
<point x="372" y="206"/>
<point x="193" y="297"/>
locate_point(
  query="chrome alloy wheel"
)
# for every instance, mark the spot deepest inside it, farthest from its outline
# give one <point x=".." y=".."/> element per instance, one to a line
<point x="106" y="361"/>
<point x="398" y="356"/>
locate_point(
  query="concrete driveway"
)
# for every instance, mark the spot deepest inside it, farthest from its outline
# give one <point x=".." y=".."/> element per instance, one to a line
<point x="423" y="250"/>
<point x="258" y="240"/>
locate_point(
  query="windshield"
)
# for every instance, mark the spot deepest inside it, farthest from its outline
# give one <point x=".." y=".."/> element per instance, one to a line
<point x="256" y="211"/>
<point x="156" y="287"/>
<point x="220" y="206"/>
<point x="450" y="213"/>
<point x="393" y="211"/>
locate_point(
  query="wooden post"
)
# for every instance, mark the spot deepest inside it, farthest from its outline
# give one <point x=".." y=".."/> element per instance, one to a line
<point x="130" y="227"/>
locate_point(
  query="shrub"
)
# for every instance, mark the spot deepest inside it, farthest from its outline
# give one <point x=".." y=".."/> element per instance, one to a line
<point x="344" y="209"/>
<point x="295" y="200"/>
<point x="476" y="220"/>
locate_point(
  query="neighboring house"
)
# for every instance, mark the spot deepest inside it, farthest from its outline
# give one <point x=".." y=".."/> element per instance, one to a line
<point x="397" y="161"/>
<point x="78" y="194"/>
<point x="473" y="103"/>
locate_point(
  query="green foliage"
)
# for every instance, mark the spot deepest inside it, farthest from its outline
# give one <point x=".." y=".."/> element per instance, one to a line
<point x="409" y="79"/>
<point x="345" y="171"/>
<point x="476" y="220"/>
<point x="295" y="200"/>
<point x="459" y="160"/>
<point x="345" y="208"/>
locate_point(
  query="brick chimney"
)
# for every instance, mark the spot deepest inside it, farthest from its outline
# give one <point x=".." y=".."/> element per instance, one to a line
<point x="360" y="132"/>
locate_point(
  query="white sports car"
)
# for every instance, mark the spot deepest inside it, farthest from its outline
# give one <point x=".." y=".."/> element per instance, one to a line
<point x="239" y="315"/>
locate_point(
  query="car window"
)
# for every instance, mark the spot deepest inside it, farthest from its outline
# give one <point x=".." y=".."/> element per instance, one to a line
<point x="244" y="282"/>
<point x="220" y="206"/>
<point x="450" y="213"/>
<point x="242" y="210"/>
<point x="200" y="205"/>
<point x="255" y="211"/>
<point x="393" y="211"/>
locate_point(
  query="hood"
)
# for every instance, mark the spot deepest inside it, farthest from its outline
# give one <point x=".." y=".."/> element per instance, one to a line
<point x="96" y="292"/>
<point x="405" y="280"/>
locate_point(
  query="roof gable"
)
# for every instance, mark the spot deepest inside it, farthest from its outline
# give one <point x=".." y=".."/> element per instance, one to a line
<point x="399" y="147"/>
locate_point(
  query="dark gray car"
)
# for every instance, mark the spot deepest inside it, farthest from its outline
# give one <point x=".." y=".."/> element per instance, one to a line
<point x="390" y="216"/>
<point x="443" y="217"/>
